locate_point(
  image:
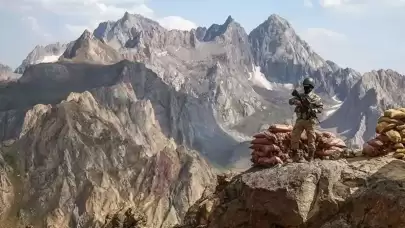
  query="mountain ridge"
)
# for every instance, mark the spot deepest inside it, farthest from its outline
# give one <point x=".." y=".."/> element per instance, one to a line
<point x="107" y="137"/>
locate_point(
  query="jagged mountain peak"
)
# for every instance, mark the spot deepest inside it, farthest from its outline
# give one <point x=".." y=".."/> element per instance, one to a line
<point x="137" y="19"/>
<point x="229" y="26"/>
<point x="42" y="54"/>
<point x="89" y="48"/>
<point x="86" y="35"/>
<point x="229" y="20"/>
<point x="277" y="19"/>
<point x="129" y="28"/>
<point x="273" y="42"/>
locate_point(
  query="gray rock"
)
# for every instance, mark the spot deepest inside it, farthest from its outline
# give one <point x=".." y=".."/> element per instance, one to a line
<point x="88" y="48"/>
<point x="284" y="57"/>
<point x="341" y="193"/>
<point x="6" y="73"/>
<point x="88" y="154"/>
<point x="377" y="91"/>
<point x="42" y="54"/>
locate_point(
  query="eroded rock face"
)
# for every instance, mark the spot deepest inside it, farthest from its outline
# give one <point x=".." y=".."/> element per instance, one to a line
<point x="91" y="153"/>
<point x="42" y="54"/>
<point x="325" y="194"/>
<point x="6" y="73"/>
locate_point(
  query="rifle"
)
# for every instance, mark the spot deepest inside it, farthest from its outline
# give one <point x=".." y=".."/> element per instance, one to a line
<point x="306" y="104"/>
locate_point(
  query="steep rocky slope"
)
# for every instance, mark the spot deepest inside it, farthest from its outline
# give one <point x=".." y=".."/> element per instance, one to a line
<point x="221" y="63"/>
<point x="324" y="194"/>
<point x="81" y="156"/>
<point x="42" y="54"/>
<point x="284" y="57"/>
<point x="213" y="65"/>
<point x="87" y="48"/>
<point x="357" y="117"/>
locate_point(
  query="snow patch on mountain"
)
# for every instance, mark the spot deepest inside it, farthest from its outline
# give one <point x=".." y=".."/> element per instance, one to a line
<point x="47" y="59"/>
<point x="260" y="80"/>
<point x="335" y="107"/>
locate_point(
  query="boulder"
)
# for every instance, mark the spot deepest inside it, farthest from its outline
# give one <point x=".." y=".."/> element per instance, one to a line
<point x="356" y="192"/>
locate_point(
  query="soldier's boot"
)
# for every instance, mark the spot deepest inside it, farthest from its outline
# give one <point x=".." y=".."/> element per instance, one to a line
<point x="311" y="155"/>
<point x="298" y="156"/>
<point x="294" y="155"/>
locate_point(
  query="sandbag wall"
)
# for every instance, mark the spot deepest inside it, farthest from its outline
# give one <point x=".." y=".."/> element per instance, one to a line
<point x="273" y="146"/>
<point x="390" y="135"/>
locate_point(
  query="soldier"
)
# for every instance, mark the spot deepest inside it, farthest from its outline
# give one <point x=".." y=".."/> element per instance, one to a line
<point x="307" y="105"/>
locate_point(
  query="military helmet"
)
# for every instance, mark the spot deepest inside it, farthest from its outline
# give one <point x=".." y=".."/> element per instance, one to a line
<point x="308" y="82"/>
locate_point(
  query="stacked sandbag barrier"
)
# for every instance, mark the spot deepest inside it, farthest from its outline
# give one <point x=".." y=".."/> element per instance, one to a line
<point x="390" y="135"/>
<point x="273" y="146"/>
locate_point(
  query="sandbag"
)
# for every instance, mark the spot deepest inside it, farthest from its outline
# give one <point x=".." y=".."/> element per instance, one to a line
<point x="400" y="127"/>
<point x="383" y="138"/>
<point x="399" y="146"/>
<point x="283" y="156"/>
<point x="329" y="152"/>
<point x="376" y="143"/>
<point x="388" y="120"/>
<point x="259" y="136"/>
<point x="271" y="149"/>
<point x="255" y="157"/>
<point x="400" y="151"/>
<point x="262" y="141"/>
<point x="328" y="134"/>
<point x="283" y="136"/>
<point x="271" y="136"/>
<point x="394" y="136"/>
<point x="394" y="114"/>
<point x="387" y="113"/>
<point x="335" y="142"/>
<point x="369" y="150"/>
<point x="401" y="109"/>
<point x="384" y="127"/>
<point x="398" y="155"/>
<point x="270" y="161"/>
<point x="276" y="128"/>
<point x="260" y="153"/>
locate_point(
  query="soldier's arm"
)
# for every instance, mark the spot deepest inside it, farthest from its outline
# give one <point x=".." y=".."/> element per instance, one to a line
<point x="317" y="104"/>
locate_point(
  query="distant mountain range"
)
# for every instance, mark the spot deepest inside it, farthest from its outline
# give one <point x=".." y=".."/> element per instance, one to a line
<point x="168" y="100"/>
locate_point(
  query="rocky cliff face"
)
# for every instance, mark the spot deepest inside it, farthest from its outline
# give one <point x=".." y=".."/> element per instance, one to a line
<point x="101" y="149"/>
<point x="357" y="117"/>
<point x="326" y="194"/>
<point x="87" y="48"/>
<point x="213" y="65"/>
<point x="242" y="76"/>
<point x="284" y="57"/>
<point x="6" y="73"/>
<point x="42" y="54"/>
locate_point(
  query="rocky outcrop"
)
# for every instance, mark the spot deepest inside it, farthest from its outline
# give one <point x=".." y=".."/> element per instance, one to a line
<point x="344" y="193"/>
<point x="98" y="150"/>
<point x="129" y="218"/>
<point x="42" y="54"/>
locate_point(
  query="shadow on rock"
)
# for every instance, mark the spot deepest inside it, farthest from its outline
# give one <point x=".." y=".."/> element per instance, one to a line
<point x="324" y="194"/>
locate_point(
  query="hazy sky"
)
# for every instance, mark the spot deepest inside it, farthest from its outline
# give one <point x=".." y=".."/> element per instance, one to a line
<point x="362" y="34"/>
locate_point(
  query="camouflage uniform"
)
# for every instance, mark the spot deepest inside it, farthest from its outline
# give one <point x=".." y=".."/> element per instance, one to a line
<point x="305" y="122"/>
